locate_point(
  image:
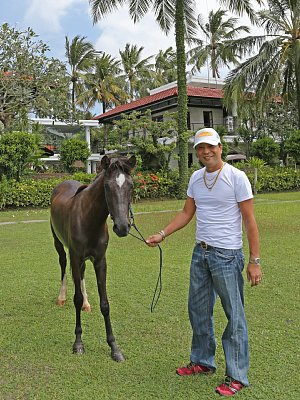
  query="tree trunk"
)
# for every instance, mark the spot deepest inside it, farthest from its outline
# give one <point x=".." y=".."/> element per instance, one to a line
<point x="73" y="101"/>
<point x="182" y="98"/>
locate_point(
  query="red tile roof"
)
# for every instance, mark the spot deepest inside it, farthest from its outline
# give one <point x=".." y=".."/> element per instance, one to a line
<point x="156" y="97"/>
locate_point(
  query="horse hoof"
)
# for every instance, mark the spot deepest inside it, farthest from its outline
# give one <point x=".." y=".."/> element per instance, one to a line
<point x="117" y="356"/>
<point x="87" y="308"/>
<point x="60" y="302"/>
<point x="78" y="348"/>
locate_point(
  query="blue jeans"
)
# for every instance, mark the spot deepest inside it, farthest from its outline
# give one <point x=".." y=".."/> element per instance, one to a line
<point x="218" y="272"/>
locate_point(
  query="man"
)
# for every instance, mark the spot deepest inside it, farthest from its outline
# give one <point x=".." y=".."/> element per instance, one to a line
<point x="221" y="197"/>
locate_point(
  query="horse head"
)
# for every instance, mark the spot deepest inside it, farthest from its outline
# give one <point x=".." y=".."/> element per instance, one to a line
<point x="118" y="191"/>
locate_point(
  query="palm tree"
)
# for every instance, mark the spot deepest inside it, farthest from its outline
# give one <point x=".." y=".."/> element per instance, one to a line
<point x="241" y="6"/>
<point x="103" y="84"/>
<point x="167" y="12"/>
<point x="80" y="54"/>
<point x="275" y="69"/>
<point x="135" y="68"/>
<point x="166" y="66"/>
<point x="215" y="49"/>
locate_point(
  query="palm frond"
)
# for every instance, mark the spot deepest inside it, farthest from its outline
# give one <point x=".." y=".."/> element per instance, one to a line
<point x="273" y="23"/>
<point x="164" y="11"/>
<point x="99" y="8"/>
<point x="241" y="6"/>
<point x="138" y="8"/>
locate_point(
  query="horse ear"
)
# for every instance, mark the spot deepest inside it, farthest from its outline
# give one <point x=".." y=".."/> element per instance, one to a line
<point x="132" y="161"/>
<point x="105" y="162"/>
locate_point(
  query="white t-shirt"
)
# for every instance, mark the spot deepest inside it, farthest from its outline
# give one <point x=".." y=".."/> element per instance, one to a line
<point x="218" y="217"/>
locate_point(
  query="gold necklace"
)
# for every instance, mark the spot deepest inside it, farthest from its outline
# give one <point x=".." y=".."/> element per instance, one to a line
<point x="211" y="185"/>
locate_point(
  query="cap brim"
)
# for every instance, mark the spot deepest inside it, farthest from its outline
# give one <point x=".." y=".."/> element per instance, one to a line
<point x="208" y="141"/>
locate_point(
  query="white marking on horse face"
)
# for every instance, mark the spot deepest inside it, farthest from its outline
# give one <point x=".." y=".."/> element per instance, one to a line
<point x="120" y="180"/>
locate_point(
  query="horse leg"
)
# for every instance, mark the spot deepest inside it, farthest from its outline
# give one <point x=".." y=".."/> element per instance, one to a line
<point x="63" y="263"/>
<point x="100" y="270"/>
<point x="86" y="305"/>
<point x="78" y="302"/>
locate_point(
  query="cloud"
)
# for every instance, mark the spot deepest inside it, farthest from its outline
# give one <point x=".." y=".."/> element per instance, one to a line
<point x="117" y="29"/>
<point x="46" y="15"/>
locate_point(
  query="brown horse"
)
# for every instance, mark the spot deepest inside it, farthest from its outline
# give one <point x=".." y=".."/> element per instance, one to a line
<point x="78" y="222"/>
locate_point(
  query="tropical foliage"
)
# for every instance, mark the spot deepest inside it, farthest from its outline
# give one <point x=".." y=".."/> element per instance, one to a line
<point x="16" y="151"/>
<point x="29" y="81"/>
<point x="215" y="51"/>
<point x="73" y="150"/>
<point x="292" y="146"/>
<point x="103" y="84"/>
<point x="135" y="68"/>
<point x="165" y="67"/>
<point x="154" y="141"/>
<point x="37" y="192"/>
<point x="167" y="13"/>
<point x="266" y="149"/>
<point x="275" y="70"/>
<point x="80" y="55"/>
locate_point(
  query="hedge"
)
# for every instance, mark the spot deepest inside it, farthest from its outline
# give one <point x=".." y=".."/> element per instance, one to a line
<point x="31" y="192"/>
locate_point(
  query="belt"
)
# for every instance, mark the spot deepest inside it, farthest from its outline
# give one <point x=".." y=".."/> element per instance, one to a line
<point x="204" y="245"/>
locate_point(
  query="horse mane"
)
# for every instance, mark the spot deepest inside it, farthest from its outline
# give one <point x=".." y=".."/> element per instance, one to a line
<point x="119" y="164"/>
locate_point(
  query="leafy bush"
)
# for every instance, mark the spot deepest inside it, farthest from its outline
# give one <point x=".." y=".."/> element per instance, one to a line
<point x="27" y="192"/>
<point x="16" y="149"/>
<point x="72" y="150"/>
<point x="150" y="185"/>
<point x="37" y="193"/>
<point x="266" y="149"/>
<point x="292" y="146"/>
<point x="275" y="179"/>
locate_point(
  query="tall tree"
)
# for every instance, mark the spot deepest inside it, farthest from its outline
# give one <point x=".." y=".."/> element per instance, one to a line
<point x="215" y="50"/>
<point x="103" y="84"/>
<point x="29" y="80"/>
<point x="135" y="68"/>
<point x="167" y="12"/>
<point x="80" y="54"/>
<point x="275" y="69"/>
<point x="166" y="66"/>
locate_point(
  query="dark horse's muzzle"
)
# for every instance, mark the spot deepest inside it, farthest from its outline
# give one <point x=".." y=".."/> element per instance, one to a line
<point x="121" y="228"/>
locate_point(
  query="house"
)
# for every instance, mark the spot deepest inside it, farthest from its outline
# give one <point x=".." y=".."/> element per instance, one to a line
<point x="205" y="107"/>
<point x="64" y="130"/>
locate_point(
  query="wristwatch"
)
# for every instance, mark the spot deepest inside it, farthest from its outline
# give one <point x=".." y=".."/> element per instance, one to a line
<point x="254" y="261"/>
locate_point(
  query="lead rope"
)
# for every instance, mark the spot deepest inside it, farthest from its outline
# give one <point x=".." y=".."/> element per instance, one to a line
<point x="159" y="278"/>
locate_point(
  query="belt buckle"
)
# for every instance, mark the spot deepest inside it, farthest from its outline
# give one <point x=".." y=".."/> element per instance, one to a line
<point x="203" y="245"/>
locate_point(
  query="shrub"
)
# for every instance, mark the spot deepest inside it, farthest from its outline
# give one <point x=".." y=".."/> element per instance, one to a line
<point x="275" y="179"/>
<point x="37" y="193"/>
<point x="266" y="149"/>
<point x="72" y="150"/>
<point x="150" y="185"/>
<point x="16" y="149"/>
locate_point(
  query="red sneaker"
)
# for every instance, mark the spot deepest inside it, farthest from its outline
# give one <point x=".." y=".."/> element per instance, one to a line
<point x="230" y="387"/>
<point x="192" y="369"/>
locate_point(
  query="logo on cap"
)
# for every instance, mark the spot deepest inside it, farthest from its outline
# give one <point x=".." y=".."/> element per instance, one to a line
<point x="201" y="134"/>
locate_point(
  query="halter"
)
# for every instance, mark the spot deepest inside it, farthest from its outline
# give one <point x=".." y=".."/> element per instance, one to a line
<point x="159" y="278"/>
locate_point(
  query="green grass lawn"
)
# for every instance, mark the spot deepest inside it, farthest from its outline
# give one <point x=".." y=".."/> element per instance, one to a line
<point x="36" y="360"/>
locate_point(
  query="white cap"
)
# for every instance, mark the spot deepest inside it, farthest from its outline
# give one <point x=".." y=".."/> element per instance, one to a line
<point x="207" y="135"/>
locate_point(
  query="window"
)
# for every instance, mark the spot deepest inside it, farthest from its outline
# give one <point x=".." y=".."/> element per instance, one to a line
<point x="158" y="118"/>
<point x="188" y="120"/>
<point x="208" y="119"/>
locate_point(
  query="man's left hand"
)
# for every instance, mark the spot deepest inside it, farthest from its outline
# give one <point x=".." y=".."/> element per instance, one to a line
<point x="254" y="274"/>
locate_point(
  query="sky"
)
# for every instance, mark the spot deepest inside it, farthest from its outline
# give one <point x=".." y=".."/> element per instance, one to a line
<point x="53" y="20"/>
